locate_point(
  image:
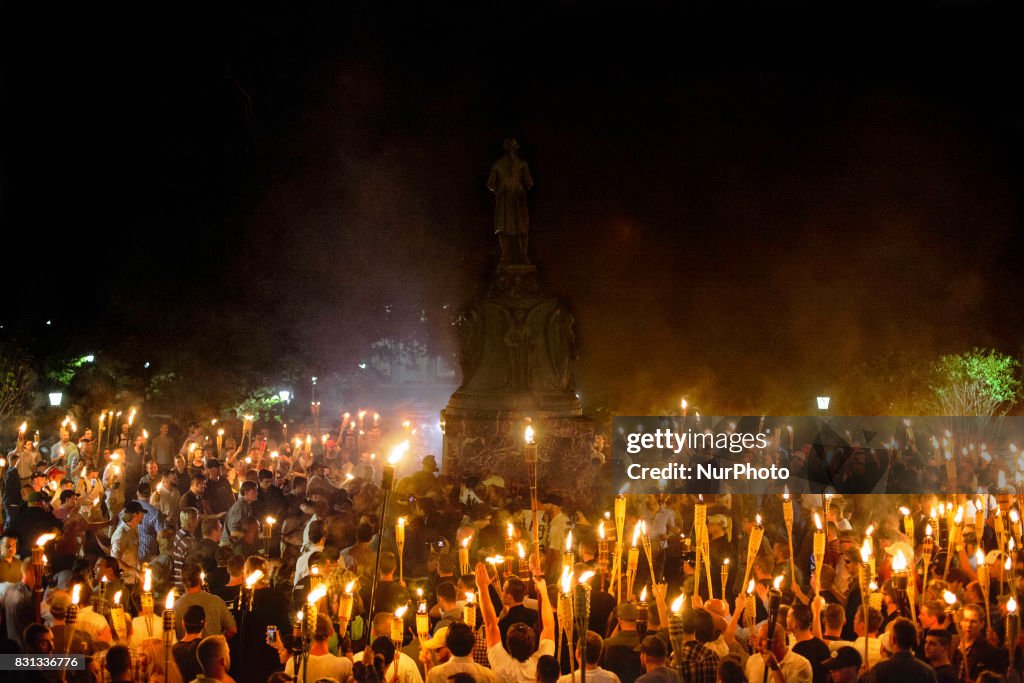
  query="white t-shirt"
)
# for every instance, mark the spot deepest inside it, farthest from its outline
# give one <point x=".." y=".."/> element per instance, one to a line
<point x="323" y="666"/>
<point x="511" y="670"/>
<point x="874" y="650"/>
<point x="795" y="668"/>
<point x="92" y="623"/>
<point x="408" y="672"/>
<point x="144" y="629"/>
<point x="597" y="675"/>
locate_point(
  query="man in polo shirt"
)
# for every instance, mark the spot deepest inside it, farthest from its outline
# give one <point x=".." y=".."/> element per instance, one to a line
<point x="517" y="664"/>
<point x="784" y="665"/>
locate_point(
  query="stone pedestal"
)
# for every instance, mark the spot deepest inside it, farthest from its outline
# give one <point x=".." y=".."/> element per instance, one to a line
<point x="518" y="355"/>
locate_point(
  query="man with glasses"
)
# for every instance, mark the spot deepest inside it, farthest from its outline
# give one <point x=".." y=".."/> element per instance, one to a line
<point x="784" y="665"/>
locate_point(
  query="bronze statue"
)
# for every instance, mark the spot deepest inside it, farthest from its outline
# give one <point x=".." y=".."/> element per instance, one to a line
<point x="509" y="180"/>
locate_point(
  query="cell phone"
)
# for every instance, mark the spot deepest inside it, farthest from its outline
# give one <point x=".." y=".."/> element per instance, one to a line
<point x="271" y="634"/>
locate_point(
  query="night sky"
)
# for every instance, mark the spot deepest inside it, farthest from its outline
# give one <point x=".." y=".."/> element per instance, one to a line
<point x="738" y="207"/>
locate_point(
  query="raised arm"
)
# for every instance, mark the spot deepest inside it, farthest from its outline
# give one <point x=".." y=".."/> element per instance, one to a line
<point x="547" y="615"/>
<point x="816" y="604"/>
<point x="483" y="582"/>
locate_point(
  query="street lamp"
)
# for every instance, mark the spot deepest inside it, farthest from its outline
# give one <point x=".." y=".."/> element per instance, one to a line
<point x="823" y="402"/>
<point x="285" y="396"/>
<point x="55" y="398"/>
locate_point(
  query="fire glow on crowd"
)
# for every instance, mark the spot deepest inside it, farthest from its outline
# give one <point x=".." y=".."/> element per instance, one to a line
<point x="276" y="555"/>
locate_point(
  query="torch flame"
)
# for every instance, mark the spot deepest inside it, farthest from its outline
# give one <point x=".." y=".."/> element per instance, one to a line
<point x="401" y="522"/>
<point x="317" y="593"/>
<point x="1011" y="606"/>
<point x="117" y="598"/>
<point x="147" y="581"/>
<point x="271" y="521"/>
<point x="636" y="533"/>
<point x="751" y="586"/>
<point x="470" y="598"/>
<point x="528" y="434"/>
<point x="949" y="597"/>
<point x="865" y="551"/>
<point x="169" y="602"/>
<point x="511" y="530"/>
<point x="520" y="550"/>
<point x="777" y="583"/>
<point x="253" y="578"/>
<point x="349" y="586"/>
<point x="757" y="519"/>
<point x="568" y="542"/>
<point x="44" y="539"/>
<point x="585" y="576"/>
<point x="899" y="563"/>
<point x="397" y="452"/>
<point x="643" y="594"/>
<point x="466" y="540"/>
<point x="928" y="530"/>
<point x="677" y="604"/>
<point x="959" y="515"/>
<point x="400" y="612"/>
<point x="904" y="511"/>
<point x="76" y="594"/>
<point x="817" y="521"/>
<point x="600" y="530"/>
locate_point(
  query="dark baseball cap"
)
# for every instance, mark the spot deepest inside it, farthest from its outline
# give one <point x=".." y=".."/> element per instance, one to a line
<point x="212" y="462"/>
<point x="842" y="658"/>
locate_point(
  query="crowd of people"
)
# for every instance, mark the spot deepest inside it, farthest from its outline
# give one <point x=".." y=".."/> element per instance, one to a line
<point x="239" y="524"/>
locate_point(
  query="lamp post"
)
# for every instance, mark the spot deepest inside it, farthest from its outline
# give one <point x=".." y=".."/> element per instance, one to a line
<point x="56" y="397"/>
<point x="823" y="403"/>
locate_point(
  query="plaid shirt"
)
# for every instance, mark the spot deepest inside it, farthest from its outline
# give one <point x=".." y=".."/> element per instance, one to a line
<point x="480" y="649"/>
<point x="139" y="669"/>
<point x="696" y="663"/>
<point x="336" y="580"/>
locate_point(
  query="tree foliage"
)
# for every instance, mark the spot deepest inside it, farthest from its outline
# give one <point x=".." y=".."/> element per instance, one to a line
<point x="17" y="381"/>
<point x="979" y="382"/>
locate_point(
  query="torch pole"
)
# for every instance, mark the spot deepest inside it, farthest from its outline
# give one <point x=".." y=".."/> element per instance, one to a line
<point x="387" y="482"/>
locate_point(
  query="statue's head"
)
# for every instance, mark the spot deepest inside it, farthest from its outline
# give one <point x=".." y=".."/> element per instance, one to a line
<point x="510" y="145"/>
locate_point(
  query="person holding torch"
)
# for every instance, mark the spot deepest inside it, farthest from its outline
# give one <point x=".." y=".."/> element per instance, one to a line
<point x="519" y="661"/>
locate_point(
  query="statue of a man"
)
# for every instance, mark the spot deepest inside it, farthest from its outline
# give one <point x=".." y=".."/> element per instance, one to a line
<point x="509" y="180"/>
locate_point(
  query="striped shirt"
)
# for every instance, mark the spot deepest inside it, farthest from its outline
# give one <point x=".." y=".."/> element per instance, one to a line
<point x="184" y="544"/>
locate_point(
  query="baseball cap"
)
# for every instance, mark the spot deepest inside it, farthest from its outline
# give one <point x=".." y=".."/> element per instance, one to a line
<point x="212" y="462"/>
<point x="59" y="602"/>
<point x="437" y="640"/>
<point x="842" y="658"/>
<point x="720" y="520"/>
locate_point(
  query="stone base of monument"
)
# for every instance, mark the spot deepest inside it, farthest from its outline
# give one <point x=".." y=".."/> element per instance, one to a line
<point x="484" y="443"/>
<point x="517" y="360"/>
